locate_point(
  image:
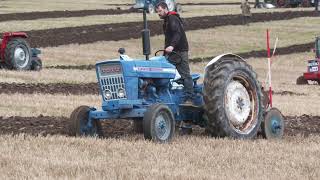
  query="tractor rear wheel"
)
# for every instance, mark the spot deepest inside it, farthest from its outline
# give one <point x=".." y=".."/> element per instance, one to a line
<point x="18" y="54"/>
<point x="170" y="4"/>
<point x="301" y="81"/>
<point x="158" y="123"/>
<point x="281" y="3"/>
<point x="78" y="123"/>
<point x="178" y="8"/>
<point x="151" y="9"/>
<point x="233" y="99"/>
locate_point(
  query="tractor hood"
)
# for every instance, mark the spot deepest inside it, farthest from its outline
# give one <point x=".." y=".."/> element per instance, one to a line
<point x="156" y="67"/>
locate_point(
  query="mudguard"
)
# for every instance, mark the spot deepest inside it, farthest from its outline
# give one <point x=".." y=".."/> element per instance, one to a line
<point x="5" y="39"/>
<point x="221" y="56"/>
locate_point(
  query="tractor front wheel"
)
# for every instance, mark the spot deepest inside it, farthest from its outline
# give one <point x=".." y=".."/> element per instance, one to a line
<point x="158" y="123"/>
<point x="18" y="54"/>
<point x="79" y="123"/>
<point x="233" y="99"/>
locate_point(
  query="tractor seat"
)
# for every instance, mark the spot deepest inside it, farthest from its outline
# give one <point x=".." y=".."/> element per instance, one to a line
<point x="194" y="77"/>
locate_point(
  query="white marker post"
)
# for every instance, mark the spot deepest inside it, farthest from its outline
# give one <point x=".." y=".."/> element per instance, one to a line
<point x="269" y="67"/>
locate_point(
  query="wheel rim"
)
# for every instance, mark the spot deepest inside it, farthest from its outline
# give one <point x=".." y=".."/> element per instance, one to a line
<point x="170" y="5"/>
<point x="241" y="105"/>
<point x="162" y="126"/>
<point x="275" y="126"/>
<point x="21" y="57"/>
<point x="151" y="9"/>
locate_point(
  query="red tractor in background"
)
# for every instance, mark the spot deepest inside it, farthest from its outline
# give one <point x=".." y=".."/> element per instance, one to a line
<point x="15" y="52"/>
<point x="313" y="69"/>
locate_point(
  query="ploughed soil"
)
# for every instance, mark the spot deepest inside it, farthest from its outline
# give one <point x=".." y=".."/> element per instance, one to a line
<point x="127" y="30"/>
<point x="53" y="88"/>
<point x="304" y="125"/>
<point x="73" y="89"/>
<point x="62" y="14"/>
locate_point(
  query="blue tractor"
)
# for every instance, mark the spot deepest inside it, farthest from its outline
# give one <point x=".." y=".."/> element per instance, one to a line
<point x="151" y="4"/>
<point x="150" y="93"/>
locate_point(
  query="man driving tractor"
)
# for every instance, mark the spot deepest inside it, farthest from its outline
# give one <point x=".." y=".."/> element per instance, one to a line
<point x="176" y="40"/>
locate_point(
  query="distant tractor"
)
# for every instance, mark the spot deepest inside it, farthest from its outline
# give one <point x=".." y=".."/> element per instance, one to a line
<point x="151" y="4"/>
<point x="230" y="102"/>
<point x="15" y="52"/>
<point x="313" y="69"/>
<point x="286" y="3"/>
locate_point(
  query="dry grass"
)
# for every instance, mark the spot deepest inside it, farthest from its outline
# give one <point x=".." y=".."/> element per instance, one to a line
<point x="25" y="157"/>
<point x="48" y="76"/>
<point x="203" y="43"/>
<point x="28" y="105"/>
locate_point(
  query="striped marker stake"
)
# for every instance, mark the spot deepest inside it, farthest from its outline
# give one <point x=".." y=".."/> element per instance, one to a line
<point x="269" y="67"/>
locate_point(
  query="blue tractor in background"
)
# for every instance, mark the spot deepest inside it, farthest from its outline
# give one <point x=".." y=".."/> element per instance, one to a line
<point x="230" y="102"/>
<point x="151" y="4"/>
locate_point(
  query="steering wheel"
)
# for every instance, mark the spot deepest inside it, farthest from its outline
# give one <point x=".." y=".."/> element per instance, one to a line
<point x="167" y="55"/>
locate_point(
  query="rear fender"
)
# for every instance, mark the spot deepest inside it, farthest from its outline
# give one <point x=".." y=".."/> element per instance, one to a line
<point x="220" y="58"/>
<point x="6" y="38"/>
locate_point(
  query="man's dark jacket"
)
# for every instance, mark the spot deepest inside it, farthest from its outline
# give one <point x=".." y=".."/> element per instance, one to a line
<point x="174" y="32"/>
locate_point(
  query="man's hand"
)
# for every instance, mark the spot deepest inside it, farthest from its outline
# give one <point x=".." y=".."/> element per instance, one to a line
<point x="169" y="49"/>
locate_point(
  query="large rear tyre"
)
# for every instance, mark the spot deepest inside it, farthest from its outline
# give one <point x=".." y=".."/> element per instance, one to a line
<point x="158" y="123"/>
<point x="273" y="124"/>
<point x="301" y="81"/>
<point x="18" y="54"/>
<point x="281" y="3"/>
<point x="170" y="4"/>
<point x="78" y="123"/>
<point x="151" y="9"/>
<point x="178" y="8"/>
<point x="233" y="99"/>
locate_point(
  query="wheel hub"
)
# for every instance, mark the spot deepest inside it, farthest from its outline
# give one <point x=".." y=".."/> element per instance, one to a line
<point x="237" y="101"/>
<point x="162" y="127"/>
<point x="170" y="5"/>
<point x="275" y="126"/>
<point x="21" y="57"/>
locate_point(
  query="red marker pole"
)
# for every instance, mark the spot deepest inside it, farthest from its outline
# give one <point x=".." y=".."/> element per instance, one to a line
<point x="269" y="66"/>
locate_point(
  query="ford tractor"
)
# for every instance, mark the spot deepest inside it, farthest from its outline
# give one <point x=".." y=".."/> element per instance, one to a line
<point x="313" y="68"/>
<point x="15" y="52"/>
<point x="150" y="92"/>
<point x="151" y="4"/>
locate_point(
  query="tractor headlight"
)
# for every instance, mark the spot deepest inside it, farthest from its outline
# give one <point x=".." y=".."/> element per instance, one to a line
<point x="121" y="93"/>
<point x="107" y="94"/>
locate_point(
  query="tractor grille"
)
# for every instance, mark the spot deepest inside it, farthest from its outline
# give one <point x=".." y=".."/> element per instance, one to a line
<point x="112" y="84"/>
<point x="112" y="81"/>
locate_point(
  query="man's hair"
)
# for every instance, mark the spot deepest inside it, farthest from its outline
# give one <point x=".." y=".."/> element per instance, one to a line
<point x="162" y="4"/>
